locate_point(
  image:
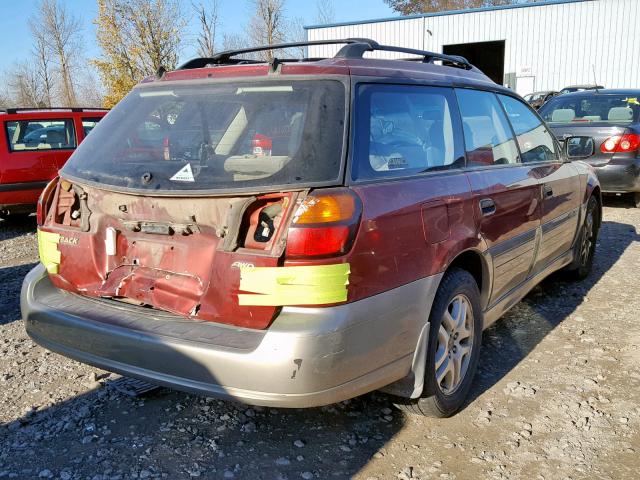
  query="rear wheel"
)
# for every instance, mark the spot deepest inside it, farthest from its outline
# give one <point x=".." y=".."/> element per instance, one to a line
<point x="585" y="247"/>
<point x="635" y="197"/>
<point x="455" y="335"/>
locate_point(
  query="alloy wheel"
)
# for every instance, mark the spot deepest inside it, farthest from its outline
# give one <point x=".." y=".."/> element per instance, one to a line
<point x="454" y="345"/>
<point x="587" y="240"/>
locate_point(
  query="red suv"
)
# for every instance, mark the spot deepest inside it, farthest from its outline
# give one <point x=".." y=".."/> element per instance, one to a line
<point x="301" y="232"/>
<point x="34" y="145"/>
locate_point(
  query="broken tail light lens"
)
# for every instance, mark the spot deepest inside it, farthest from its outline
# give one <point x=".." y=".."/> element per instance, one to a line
<point x="621" y="143"/>
<point x="324" y="225"/>
<point x="44" y="201"/>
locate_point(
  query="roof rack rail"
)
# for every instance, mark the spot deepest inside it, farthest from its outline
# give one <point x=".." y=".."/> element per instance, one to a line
<point x="225" y="57"/>
<point x="45" y="109"/>
<point x="353" y="48"/>
<point x="358" y="49"/>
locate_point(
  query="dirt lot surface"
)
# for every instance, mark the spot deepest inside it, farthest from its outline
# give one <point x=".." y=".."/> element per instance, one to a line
<point x="557" y="397"/>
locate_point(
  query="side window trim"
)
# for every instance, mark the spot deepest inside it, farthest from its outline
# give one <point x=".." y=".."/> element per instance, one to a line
<point x="513" y="130"/>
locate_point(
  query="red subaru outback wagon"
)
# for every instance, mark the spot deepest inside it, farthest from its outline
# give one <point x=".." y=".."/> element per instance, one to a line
<point x="296" y="233"/>
<point x="34" y="145"/>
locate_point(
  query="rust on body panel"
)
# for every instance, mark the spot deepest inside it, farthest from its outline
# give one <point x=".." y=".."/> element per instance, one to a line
<point x="186" y="273"/>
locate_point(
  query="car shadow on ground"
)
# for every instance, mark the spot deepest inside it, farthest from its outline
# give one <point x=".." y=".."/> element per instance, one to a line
<point x="17" y="227"/>
<point x="168" y="434"/>
<point x="506" y="343"/>
<point x="10" y="285"/>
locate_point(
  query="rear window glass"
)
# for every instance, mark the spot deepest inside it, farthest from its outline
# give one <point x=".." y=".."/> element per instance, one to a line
<point x="218" y="136"/>
<point x="591" y="107"/>
<point x="28" y="135"/>
<point x="403" y="130"/>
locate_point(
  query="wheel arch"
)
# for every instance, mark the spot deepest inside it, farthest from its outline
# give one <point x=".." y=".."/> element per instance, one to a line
<point x="597" y="194"/>
<point x="477" y="264"/>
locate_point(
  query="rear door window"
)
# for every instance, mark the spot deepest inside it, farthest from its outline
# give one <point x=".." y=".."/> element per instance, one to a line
<point x="487" y="134"/>
<point x="535" y="141"/>
<point x="29" y="135"/>
<point x="88" y="124"/>
<point x="402" y="130"/>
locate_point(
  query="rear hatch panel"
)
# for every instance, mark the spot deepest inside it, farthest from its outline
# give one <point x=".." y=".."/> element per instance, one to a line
<point x="174" y="254"/>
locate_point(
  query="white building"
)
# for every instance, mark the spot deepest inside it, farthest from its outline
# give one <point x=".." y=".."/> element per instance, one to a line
<point x="530" y="47"/>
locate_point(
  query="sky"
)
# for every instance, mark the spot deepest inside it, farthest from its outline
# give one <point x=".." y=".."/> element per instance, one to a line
<point x="15" y="42"/>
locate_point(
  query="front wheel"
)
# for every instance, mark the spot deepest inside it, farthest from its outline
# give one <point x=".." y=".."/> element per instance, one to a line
<point x="455" y="335"/>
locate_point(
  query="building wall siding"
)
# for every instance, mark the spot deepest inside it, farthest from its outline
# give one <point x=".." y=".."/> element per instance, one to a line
<point x="561" y="43"/>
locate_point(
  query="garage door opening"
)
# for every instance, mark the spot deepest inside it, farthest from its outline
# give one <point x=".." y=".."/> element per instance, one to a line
<point x="487" y="56"/>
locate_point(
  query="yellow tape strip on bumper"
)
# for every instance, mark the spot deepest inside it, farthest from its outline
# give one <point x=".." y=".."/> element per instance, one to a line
<point x="48" y="250"/>
<point x="277" y="286"/>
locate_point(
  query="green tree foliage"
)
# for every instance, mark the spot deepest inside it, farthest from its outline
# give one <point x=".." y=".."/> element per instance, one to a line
<point x="137" y="37"/>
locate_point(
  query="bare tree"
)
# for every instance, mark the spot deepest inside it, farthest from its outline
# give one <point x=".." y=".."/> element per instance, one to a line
<point x="408" y="7"/>
<point x="59" y="32"/>
<point x="24" y="87"/>
<point x="233" y="41"/>
<point x="208" y="18"/>
<point x="296" y="33"/>
<point x="268" y="25"/>
<point x="325" y="12"/>
<point x="43" y="65"/>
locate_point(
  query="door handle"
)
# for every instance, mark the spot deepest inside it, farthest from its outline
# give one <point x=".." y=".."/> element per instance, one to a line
<point x="547" y="191"/>
<point x="487" y="207"/>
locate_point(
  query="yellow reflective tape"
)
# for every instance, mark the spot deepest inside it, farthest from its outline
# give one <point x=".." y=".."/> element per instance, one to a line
<point x="311" y="285"/>
<point x="48" y="250"/>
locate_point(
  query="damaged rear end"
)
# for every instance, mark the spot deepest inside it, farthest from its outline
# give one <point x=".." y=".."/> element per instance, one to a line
<point x="200" y="239"/>
<point x="184" y="185"/>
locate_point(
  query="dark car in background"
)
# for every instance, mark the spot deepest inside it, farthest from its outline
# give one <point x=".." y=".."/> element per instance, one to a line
<point x="608" y="124"/>
<point x="537" y="99"/>
<point x="580" y="88"/>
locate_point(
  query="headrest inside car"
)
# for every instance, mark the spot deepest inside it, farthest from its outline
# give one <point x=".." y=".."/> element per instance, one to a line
<point x="563" y="115"/>
<point x="620" y="114"/>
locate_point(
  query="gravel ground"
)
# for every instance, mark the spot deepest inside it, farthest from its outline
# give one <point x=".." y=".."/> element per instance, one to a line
<point x="557" y="397"/>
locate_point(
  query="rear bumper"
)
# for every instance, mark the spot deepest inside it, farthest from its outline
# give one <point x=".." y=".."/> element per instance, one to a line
<point x="619" y="178"/>
<point x="307" y="357"/>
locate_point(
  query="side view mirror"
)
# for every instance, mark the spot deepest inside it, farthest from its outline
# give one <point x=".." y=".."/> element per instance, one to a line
<point x="578" y="148"/>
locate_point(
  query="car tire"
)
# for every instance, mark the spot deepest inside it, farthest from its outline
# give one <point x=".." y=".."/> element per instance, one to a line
<point x="585" y="247"/>
<point x="635" y="197"/>
<point x="453" y="347"/>
<point x="14" y="218"/>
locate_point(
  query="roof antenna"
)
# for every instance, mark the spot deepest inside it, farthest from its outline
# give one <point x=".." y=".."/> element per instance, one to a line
<point x="595" y="82"/>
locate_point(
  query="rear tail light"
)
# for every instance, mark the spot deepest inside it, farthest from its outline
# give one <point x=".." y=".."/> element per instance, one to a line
<point x="324" y="225"/>
<point x="44" y="202"/>
<point x="621" y="143"/>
